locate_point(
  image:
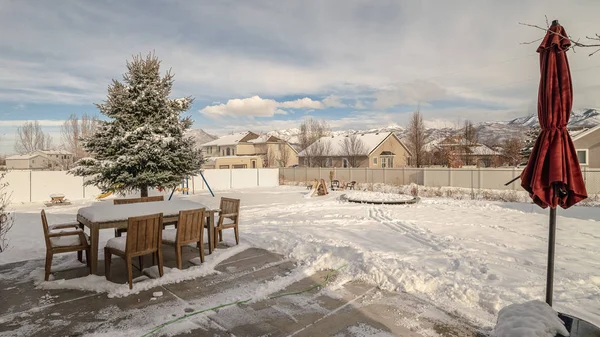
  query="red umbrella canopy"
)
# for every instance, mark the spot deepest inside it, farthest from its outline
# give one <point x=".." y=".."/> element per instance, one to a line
<point x="552" y="175"/>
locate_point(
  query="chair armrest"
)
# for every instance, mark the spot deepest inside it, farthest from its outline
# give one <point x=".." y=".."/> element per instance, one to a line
<point x="228" y="215"/>
<point x="70" y="233"/>
<point x="54" y="235"/>
<point x="64" y="225"/>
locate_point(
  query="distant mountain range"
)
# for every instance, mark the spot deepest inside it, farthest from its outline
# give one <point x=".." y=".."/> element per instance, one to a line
<point x="489" y="133"/>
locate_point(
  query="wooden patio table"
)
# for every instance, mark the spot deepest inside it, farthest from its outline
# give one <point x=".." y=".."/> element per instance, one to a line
<point x="104" y="215"/>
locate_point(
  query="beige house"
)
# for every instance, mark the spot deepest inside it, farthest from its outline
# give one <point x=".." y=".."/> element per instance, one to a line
<point x="587" y="145"/>
<point x="41" y="160"/>
<point x="249" y="150"/>
<point x="372" y="150"/>
<point x="456" y="152"/>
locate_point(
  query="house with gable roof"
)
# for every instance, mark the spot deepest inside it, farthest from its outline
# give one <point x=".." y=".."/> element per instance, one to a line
<point x="249" y="150"/>
<point x="376" y="150"/>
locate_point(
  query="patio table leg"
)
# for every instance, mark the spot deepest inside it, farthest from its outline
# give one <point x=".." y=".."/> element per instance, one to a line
<point x="94" y="233"/>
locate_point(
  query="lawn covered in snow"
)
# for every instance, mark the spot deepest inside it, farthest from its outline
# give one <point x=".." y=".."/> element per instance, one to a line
<point x="469" y="257"/>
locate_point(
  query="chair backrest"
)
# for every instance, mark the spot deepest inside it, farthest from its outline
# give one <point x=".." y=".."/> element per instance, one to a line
<point x="335" y="183"/>
<point x="46" y="230"/>
<point x="230" y="206"/>
<point x="190" y="225"/>
<point x="136" y="200"/>
<point x="144" y="234"/>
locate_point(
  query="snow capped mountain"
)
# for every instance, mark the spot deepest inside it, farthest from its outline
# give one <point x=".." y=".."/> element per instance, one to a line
<point x="201" y="136"/>
<point x="579" y="118"/>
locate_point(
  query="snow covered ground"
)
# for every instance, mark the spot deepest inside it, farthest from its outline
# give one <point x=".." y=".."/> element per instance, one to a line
<point x="469" y="257"/>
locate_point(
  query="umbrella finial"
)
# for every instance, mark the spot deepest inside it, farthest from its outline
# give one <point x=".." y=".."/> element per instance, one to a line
<point x="555" y="23"/>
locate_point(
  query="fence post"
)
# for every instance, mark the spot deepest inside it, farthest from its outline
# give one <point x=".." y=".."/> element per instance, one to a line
<point x="306" y="175"/>
<point x="514" y="185"/>
<point x="83" y="186"/>
<point x="257" y="178"/>
<point x="450" y="177"/>
<point x="480" y="178"/>
<point x="403" y="175"/>
<point x="320" y="173"/>
<point x="384" y="175"/>
<point x="424" y="176"/>
<point x="350" y="174"/>
<point x="230" y="178"/>
<point x="30" y="185"/>
<point x="295" y="174"/>
<point x="472" y="187"/>
<point x="366" y="175"/>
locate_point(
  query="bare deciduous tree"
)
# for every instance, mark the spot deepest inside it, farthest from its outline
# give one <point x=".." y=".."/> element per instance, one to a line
<point x="354" y="150"/>
<point x="31" y="137"/>
<point x="6" y="219"/>
<point x="284" y="153"/>
<point x="511" y="151"/>
<point x="74" y="129"/>
<point x="469" y="140"/>
<point x="417" y="138"/>
<point x="270" y="158"/>
<point x="310" y="131"/>
<point x="320" y="151"/>
<point x="574" y="42"/>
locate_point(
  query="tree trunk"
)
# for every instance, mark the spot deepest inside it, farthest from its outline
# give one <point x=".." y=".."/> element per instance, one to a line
<point x="144" y="191"/>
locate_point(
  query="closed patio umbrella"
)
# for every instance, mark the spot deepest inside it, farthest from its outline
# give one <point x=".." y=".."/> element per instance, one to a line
<point x="552" y="175"/>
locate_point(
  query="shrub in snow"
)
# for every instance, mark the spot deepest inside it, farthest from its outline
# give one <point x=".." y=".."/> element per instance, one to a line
<point x="143" y="144"/>
<point x="529" y="319"/>
<point x="6" y="219"/>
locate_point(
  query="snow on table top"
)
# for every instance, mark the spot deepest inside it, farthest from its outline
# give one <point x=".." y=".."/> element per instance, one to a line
<point x="376" y="196"/>
<point x="529" y="319"/>
<point x="100" y="212"/>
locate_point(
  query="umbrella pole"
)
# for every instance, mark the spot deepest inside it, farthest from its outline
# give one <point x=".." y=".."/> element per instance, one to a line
<point x="550" y="273"/>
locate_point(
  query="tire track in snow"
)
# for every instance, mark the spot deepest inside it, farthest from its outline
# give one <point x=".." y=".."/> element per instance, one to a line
<point x="378" y="215"/>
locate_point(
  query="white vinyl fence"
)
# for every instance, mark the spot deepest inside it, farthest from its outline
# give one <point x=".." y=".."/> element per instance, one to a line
<point x="35" y="186"/>
<point x="473" y="178"/>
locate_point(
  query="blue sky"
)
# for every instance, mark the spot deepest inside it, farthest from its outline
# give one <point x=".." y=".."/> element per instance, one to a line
<point x="264" y="65"/>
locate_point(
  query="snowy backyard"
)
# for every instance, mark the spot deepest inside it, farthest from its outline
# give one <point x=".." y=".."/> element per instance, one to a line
<point x="469" y="258"/>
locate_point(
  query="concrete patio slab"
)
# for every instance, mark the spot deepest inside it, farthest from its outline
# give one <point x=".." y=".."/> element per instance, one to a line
<point x="343" y="311"/>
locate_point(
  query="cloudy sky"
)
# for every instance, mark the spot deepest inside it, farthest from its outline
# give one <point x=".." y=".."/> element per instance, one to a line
<point x="264" y="65"/>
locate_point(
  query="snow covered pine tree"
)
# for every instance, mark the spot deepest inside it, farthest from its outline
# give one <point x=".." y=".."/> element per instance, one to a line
<point x="143" y="144"/>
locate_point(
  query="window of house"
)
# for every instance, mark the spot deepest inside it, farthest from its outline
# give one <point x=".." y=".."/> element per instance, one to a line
<point x="375" y="161"/>
<point x="223" y="166"/>
<point x="305" y="161"/>
<point x="345" y="162"/>
<point x="240" y="166"/>
<point x="387" y="162"/>
<point x="254" y="164"/>
<point x="328" y="162"/>
<point x="228" y="151"/>
<point x="233" y="152"/>
<point x="582" y="156"/>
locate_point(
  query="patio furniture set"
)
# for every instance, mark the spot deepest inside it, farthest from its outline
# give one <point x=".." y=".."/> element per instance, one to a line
<point x="145" y="221"/>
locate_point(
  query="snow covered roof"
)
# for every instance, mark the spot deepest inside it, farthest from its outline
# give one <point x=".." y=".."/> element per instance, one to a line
<point x="227" y="140"/>
<point x="24" y="156"/>
<point x="55" y="152"/>
<point x="370" y="140"/>
<point x="580" y="134"/>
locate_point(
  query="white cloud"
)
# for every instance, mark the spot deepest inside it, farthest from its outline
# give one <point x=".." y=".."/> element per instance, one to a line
<point x="359" y="105"/>
<point x="258" y="107"/>
<point x="302" y="103"/>
<point x="333" y="101"/>
<point x="414" y="93"/>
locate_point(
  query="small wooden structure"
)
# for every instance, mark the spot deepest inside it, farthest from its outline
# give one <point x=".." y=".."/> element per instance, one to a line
<point x="57" y="200"/>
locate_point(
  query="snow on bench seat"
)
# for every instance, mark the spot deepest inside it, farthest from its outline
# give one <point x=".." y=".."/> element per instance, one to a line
<point x="529" y="319"/>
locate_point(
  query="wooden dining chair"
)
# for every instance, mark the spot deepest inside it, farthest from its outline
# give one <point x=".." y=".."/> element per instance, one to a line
<point x="144" y="236"/>
<point x="190" y="229"/>
<point x="64" y="238"/>
<point x="120" y="231"/>
<point x="229" y="216"/>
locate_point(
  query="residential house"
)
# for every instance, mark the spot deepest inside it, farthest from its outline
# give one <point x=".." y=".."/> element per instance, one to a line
<point x="372" y="150"/>
<point x="455" y="151"/>
<point x="41" y="160"/>
<point x="249" y="150"/>
<point x="587" y="145"/>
